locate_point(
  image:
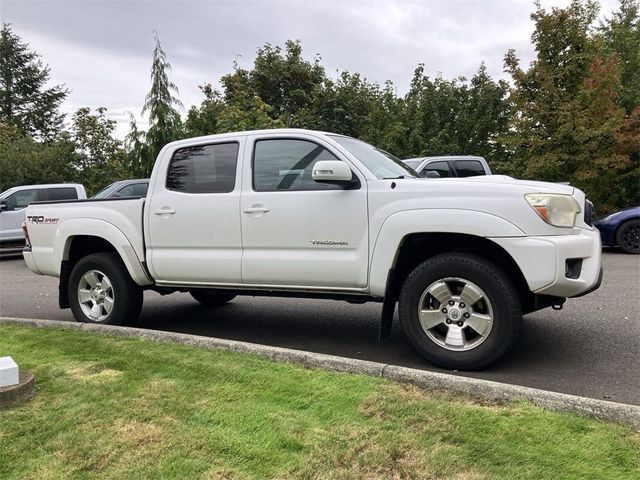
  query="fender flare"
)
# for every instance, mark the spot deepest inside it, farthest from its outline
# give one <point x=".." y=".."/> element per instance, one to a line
<point x="107" y="231"/>
<point x="398" y="225"/>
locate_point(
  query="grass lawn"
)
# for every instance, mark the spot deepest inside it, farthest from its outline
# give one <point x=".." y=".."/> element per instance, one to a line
<point x="129" y="409"/>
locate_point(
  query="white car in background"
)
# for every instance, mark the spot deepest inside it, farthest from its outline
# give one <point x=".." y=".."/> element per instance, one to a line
<point x="449" y="166"/>
<point x="14" y="201"/>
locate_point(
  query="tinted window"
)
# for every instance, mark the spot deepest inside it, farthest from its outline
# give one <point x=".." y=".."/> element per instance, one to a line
<point x="21" y="199"/>
<point x="67" y="193"/>
<point x="287" y="165"/>
<point x="204" y="169"/>
<point x="441" y="167"/>
<point x="469" y="168"/>
<point x="135" y="190"/>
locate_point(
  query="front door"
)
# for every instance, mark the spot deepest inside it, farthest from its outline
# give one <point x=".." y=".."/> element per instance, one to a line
<point x="296" y="231"/>
<point x="194" y="218"/>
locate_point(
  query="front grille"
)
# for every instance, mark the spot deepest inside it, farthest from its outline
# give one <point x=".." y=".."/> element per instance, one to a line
<point x="588" y="213"/>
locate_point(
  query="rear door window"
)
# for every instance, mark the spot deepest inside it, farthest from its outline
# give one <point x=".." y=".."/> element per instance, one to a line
<point x="469" y="168"/>
<point x="64" y="193"/>
<point x="204" y="169"/>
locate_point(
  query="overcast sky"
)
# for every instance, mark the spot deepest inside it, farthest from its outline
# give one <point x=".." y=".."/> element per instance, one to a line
<point x="102" y="50"/>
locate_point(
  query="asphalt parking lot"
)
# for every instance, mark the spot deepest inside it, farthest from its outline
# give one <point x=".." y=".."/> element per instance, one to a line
<point x="590" y="348"/>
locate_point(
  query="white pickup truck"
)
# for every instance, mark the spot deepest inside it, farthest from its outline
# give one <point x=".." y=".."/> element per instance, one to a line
<point x="313" y="214"/>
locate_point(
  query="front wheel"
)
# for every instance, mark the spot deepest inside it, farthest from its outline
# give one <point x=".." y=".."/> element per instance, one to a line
<point x="102" y="291"/>
<point x="628" y="236"/>
<point x="460" y="311"/>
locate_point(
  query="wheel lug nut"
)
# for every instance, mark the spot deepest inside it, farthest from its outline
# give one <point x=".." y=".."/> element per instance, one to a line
<point x="444" y="310"/>
<point x="460" y="324"/>
<point x="448" y="321"/>
<point x="451" y="302"/>
<point x="462" y="305"/>
<point x="466" y="315"/>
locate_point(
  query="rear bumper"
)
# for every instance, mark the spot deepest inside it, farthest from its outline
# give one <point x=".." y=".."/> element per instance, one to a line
<point x="29" y="260"/>
<point x="543" y="262"/>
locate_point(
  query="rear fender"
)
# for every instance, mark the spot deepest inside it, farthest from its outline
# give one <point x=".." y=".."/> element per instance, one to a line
<point x="106" y="231"/>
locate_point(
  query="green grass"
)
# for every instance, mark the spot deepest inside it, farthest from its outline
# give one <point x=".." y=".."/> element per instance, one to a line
<point x="122" y="408"/>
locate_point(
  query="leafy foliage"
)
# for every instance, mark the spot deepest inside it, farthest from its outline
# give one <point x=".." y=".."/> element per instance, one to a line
<point x="99" y="158"/>
<point x="23" y="161"/>
<point x="569" y="122"/>
<point x="24" y="100"/>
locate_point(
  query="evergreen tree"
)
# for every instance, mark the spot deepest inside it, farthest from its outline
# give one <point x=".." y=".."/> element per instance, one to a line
<point x="161" y="105"/>
<point x="24" y="100"/>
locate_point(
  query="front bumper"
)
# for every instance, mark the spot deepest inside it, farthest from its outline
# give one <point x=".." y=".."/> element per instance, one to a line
<point x="543" y="262"/>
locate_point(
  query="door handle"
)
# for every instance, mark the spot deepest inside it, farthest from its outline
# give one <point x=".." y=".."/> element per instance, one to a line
<point x="164" y="211"/>
<point x="256" y="210"/>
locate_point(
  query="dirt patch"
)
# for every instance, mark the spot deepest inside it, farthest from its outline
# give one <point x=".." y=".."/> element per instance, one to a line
<point x="138" y="434"/>
<point x="92" y="371"/>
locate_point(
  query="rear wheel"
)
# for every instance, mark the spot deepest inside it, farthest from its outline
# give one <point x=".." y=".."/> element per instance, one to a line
<point x="102" y="291"/>
<point x="460" y="311"/>
<point x="211" y="299"/>
<point x="628" y="236"/>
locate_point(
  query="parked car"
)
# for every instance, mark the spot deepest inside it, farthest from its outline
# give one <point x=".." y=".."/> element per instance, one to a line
<point x="621" y="229"/>
<point x="125" y="188"/>
<point x="14" y="200"/>
<point x="450" y="166"/>
<point x="311" y="214"/>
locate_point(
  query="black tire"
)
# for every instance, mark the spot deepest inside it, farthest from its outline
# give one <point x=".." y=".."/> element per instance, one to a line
<point x="125" y="293"/>
<point x="628" y="236"/>
<point x="499" y="291"/>
<point x="211" y="299"/>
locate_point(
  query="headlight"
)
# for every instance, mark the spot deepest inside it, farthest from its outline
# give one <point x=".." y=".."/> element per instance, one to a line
<point x="555" y="209"/>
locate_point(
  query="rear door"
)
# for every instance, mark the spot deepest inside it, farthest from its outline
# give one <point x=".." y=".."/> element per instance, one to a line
<point x="296" y="231"/>
<point x="193" y="216"/>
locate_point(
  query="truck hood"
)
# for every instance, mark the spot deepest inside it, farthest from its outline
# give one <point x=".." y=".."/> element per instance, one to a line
<point x="536" y="186"/>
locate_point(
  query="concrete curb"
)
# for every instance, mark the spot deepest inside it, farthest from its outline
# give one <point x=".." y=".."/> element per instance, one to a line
<point x="482" y="389"/>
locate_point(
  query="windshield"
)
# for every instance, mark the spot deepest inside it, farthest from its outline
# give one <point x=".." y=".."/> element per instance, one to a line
<point x="378" y="162"/>
<point x="106" y="190"/>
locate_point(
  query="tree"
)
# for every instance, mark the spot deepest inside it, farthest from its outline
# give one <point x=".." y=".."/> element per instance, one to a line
<point x="99" y="158"/>
<point x="161" y="105"/>
<point x="284" y="80"/>
<point x="242" y="111"/>
<point x="24" y="161"/>
<point x="621" y="37"/>
<point x="568" y="123"/>
<point x="24" y="100"/>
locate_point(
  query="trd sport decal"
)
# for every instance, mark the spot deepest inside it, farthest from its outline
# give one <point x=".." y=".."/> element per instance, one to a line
<point x="41" y="219"/>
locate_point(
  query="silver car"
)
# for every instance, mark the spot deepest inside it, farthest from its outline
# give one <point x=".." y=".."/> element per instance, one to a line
<point x="449" y="166"/>
<point x="14" y="200"/>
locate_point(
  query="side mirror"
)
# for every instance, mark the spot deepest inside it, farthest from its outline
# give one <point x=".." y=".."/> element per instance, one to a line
<point x="430" y="174"/>
<point x="334" y="172"/>
<point x="3" y="205"/>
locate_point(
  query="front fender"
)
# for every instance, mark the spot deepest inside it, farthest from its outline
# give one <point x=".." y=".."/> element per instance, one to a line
<point x="95" y="228"/>
<point x="398" y="225"/>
